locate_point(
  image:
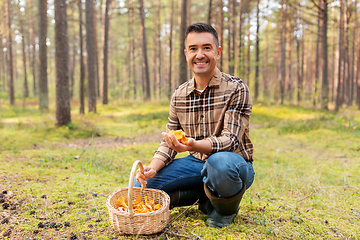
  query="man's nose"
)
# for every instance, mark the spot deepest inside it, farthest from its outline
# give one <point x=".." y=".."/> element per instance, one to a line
<point x="200" y="54"/>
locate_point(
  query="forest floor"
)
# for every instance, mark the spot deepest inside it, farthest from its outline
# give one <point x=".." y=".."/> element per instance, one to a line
<point x="54" y="181"/>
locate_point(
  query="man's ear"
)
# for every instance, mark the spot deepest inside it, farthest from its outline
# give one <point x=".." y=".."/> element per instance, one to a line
<point x="219" y="53"/>
<point x="185" y="54"/>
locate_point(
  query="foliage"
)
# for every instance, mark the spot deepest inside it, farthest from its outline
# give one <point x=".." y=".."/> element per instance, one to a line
<point x="306" y="164"/>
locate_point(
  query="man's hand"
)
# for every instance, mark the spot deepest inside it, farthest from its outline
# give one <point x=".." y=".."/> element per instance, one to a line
<point x="149" y="172"/>
<point x="174" y="144"/>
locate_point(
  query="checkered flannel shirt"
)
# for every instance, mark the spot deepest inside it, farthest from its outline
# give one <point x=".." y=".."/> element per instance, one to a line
<point x="219" y="114"/>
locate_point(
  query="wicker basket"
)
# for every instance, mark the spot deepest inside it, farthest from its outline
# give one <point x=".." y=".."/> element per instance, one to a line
<point x="138" y="223"/>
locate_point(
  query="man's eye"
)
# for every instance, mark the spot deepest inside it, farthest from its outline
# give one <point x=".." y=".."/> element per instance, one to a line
<point x="192" y="49"/>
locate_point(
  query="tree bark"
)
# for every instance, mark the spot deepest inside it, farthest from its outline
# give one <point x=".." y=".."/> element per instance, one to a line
<point x="62" y="64"/>
<point x="11" y="89"/>
<point x="82" y="66"/>
<point x="221" y="35"/>
<point x="239" y="51"/>
<point x="182" y="59"/>
<point x="144" y="52"/>
<point x="317" y="55"/>
<point x="33" y="45"/>
<point x="209" y="12"/>
<point x="26" y="87"/>
<point x="159" y="63"/>
<point x="170" y="82"/>
<point x="96" y="53"/>
<point x="90" y="56"/>
<point x="357" y="78"/>
<point x="2" y="62"/>
<point x="248" y="58"/>
<point x="72" y="64"/>
<point x="339" y="54"/>
<point x="289" y="88"/>
<point x="282" y="52"/>
<point x="132" y="70"/>
<point x="257" y="59"/>
<point x="325" y="82"/>
<point x="345" y="45"/>
<point x="105" y="53"/>
<point x="43" y="82"/>
<point x="352" y="62"/>
<point x="333" y="62"/>
<point x="231" y="36"/>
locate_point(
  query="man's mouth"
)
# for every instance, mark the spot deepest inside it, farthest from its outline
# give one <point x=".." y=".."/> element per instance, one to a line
<point x="200" y="63"/>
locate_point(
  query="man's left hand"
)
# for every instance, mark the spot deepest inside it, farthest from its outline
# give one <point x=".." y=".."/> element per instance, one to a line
<point x="174" y="144"/>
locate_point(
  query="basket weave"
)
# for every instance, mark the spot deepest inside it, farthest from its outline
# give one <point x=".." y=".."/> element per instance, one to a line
<point x="138" y="223"/>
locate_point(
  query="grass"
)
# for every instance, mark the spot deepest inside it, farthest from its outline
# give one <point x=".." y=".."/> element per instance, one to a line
<point x="306" y="162"/>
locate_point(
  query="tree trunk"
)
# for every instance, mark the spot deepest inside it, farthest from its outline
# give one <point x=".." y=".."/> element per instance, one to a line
<point x="239" y="51"/>
<point x="325" y="83"/>
<point x="43" y="83"/>
<point x="209" y="12"/>
<point x="352" y="69"/>
<point x="157" y="57"/>
<point x="257" y="59"/>
<point x="62" y="64"/>
<point x="90" y="56"/>
<point x="298" y="71"/>
<point x="33" y="46"/>
<point x="221" y="36"/>
<point x="345" y="89"/>
<point x="105" y="53"/>
<point x="339" y="54"/>
<point x="182" y="59"/>
<point x="357" y="78"/>
<point x="289" y="88"/>
<point x="2" y="79"/>
<point x="11" y="89"/>
<point x="26" y="87"/>
<point x="333" y="62"/>
<point x="266" y="75"/>
<point x="231" y="36"/>
<point x="144" y="52"/>
<point x="132" y="48"/>
<point x="82" y="66"/>
<point x="96" y="53"/>
<point x="171" y="87"/>
<point x="282" y="52"/>
<point x="248" y="63"/>
<point x="72" y="64"/>
<point x="317" y="55"/>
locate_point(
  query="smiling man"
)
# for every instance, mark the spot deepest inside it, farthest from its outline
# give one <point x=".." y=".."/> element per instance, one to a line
<point x="213" y="109"/>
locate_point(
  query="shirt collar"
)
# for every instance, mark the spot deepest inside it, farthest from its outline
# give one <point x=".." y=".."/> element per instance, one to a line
<point x="214" y="81"/>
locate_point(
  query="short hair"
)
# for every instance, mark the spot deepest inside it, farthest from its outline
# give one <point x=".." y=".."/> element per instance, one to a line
<point x="202" y="27"/>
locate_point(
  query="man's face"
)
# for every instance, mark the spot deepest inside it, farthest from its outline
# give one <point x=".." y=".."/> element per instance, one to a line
<point x="201" y="53"/>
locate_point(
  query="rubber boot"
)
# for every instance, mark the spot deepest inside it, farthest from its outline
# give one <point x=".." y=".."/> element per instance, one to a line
<point x="181" y="198"/>
<point x="225" y="209"/>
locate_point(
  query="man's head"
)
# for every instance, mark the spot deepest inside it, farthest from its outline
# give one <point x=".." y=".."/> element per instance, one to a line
<point x="202" y="27"/>
<point x="202" y="50"/>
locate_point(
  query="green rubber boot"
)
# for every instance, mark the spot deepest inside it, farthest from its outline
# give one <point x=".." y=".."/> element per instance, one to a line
<point x="181" y="198"/>
<point x="225" y="209"/>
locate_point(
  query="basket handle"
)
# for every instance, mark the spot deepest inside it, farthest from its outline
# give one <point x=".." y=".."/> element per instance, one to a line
<point x="131" y="184"/>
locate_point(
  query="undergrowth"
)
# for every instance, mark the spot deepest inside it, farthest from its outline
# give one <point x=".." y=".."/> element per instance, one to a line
<point x="56" y="179"/>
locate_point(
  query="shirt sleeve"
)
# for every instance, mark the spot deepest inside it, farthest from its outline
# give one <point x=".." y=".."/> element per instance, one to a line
<point x="165" y="153"/>
<point x="236" y="121"/>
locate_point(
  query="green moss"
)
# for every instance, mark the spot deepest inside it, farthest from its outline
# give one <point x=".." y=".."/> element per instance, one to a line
<point x="306" y="164"/>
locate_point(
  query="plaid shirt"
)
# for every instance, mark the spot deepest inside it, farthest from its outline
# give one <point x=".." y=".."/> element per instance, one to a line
<point x="219" y="114"/>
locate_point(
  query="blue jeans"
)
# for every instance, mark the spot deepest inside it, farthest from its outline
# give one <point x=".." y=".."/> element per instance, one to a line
<point x="224" y="173"/>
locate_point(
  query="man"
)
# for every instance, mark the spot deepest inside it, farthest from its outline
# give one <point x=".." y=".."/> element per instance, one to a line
<point x="213" y="109"/>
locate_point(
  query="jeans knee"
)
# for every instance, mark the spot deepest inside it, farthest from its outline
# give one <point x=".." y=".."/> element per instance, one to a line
<point x="224" y="172"/>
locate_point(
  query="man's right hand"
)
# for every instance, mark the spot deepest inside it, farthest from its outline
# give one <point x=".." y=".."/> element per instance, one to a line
<point x="149" y="172"/>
